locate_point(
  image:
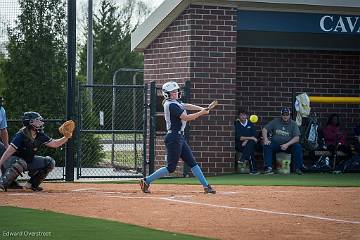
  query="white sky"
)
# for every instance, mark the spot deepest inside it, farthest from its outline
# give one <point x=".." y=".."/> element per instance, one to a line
<point x="152" y="4"/>
<point x="82" y="5"/>
<point x="9" y="11"/>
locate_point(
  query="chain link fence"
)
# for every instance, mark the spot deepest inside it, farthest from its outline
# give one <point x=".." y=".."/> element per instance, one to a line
<point x="112" y="130"/>
<point x="9" y="10"/>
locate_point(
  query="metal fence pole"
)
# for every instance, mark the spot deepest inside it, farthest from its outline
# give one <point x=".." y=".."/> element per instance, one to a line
<point x="78" y="132"/>
<point x="71" y="52"/>
<point x="90" y="47"/>
<point x="134" y="119"/>
<point x="153" y="95"/>
<point x="145" y="128"/>
<point x="186" y="168"/>
<point x="113" y="108"/>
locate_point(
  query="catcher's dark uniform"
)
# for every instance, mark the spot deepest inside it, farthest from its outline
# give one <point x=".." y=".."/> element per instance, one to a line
<point x="25" y="159"/>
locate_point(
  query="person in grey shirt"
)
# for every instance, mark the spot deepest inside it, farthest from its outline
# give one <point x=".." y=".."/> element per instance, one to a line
<point x="285" y="138"/>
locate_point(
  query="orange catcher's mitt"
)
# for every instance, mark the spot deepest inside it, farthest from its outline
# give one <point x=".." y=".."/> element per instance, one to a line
<point x="67" y="128"/>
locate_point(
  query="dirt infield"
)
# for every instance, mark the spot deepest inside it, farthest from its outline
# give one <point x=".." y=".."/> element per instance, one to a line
<point x="235" y="212"/>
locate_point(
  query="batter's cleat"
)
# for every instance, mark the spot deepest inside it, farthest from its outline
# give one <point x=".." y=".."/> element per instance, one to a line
<point x="144" y="186"/>
<point x="29" y="186"/>
<point x="209" y="189"/>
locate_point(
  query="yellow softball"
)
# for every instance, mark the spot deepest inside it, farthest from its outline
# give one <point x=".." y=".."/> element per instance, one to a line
<point x="254" y="118"/>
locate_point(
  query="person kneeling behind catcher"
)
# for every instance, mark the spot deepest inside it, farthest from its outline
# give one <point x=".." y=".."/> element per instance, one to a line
<point x="21" y="156"/>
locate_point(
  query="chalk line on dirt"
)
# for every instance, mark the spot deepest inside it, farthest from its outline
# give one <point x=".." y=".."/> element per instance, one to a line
<point x="173" y="199"/>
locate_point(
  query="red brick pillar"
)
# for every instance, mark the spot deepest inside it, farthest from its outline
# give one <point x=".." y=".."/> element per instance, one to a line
<point x="200" y="46"/>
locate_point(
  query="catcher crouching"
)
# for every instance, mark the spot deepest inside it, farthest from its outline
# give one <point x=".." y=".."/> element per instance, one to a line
<point x="21" y="156"/>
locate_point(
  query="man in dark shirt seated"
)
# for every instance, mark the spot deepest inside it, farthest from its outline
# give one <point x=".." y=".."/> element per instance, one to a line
<point x="245" y="140"/>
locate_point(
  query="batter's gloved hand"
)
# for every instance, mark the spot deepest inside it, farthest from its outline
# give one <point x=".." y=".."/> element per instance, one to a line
<point x="67" y="128"/>
<point x="212" y="105"/>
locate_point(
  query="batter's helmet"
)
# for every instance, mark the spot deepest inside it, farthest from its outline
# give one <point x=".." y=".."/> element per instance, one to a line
<point x="168" y="87"/>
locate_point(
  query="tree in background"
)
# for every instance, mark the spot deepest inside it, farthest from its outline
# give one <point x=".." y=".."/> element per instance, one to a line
<point x="112" y="30"/>
<point x="112" y="39"/>
<point x="2" y="76"/>
<point x="35" y="72"/>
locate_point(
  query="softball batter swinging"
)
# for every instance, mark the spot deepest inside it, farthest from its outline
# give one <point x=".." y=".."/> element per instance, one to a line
<point x="175" y="143"/>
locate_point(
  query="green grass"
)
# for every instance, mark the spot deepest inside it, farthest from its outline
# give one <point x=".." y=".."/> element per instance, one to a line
<point x="308" y="179"/>
<point x="57" y="226"/>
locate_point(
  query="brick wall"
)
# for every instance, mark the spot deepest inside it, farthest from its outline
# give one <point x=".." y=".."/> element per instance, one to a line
<point x="200" y="46"/>
<point x="167" y="59"/>
<point x="267" y="78"/>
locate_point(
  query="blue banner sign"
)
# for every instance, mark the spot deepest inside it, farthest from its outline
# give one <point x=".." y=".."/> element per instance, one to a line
<point x="298" y="22"/>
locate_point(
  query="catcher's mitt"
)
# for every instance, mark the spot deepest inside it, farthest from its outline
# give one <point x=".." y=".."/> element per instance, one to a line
<point x="67" y="128"/>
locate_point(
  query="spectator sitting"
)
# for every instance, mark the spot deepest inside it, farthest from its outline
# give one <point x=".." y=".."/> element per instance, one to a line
<point x="285" y="138"/>
<point x="334" y="136"/>
<point x="357" y="139"/>
<point x="245" y="140"/>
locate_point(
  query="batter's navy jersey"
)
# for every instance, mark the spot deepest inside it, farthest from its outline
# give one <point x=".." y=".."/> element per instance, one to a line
<point x="176" y="145"/>
<point x="172" y="111"/>
<point x="26" y="148"/>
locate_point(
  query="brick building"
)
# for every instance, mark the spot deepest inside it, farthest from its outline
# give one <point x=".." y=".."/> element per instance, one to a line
<point x="257" y="54"/>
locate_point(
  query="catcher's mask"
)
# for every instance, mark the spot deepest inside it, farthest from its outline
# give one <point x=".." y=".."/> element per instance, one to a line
<point x="168" y="87"/>
<point x="33" y="120"/>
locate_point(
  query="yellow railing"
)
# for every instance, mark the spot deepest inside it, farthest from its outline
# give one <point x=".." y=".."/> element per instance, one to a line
<point x="320" y="99"/>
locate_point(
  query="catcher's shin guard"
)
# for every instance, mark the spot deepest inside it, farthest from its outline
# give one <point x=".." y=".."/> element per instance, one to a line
<point x="37" y="177"/>
<point x="12" y="172"/>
